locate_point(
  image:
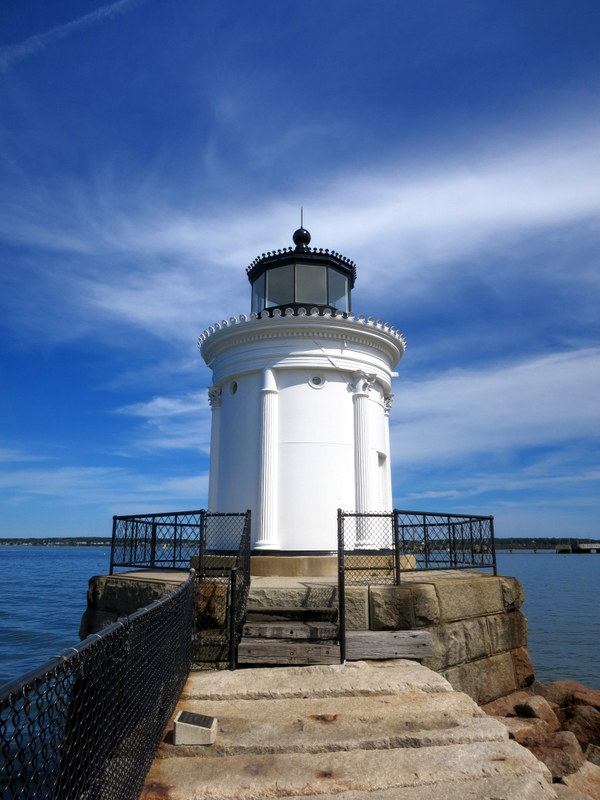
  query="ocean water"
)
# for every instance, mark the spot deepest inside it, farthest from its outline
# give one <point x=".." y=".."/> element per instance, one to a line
<point x="43" y="595"/>
<point x="562" y="605"/>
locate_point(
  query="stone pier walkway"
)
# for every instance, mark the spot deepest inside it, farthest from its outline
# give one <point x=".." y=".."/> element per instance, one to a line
<point x="389" y="730"/>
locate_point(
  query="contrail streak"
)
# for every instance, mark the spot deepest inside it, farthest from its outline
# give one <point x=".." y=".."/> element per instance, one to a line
<point x="11" y="54"/>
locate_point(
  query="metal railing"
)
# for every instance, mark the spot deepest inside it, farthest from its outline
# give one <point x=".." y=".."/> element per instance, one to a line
<point x="170" y="540"/>
<point x="88" y="723"/>
<point x="377" y="547"/>
<point x="166" y="540"/>
<point x="223" y="565"/>
<point x="446" y="541"/>
<point x="217" y="545"/>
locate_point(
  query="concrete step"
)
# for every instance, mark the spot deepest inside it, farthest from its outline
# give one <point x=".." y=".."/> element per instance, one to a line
<point x="507" y="787"/>
<point x="290" y="630"/>
<point x="282" y="593"/>
<point x="363" y="731"/>
<point x="306" y="774"/>
<point x="358" y="678"/>
<point x="284" y="613"/>
<point x="312" y="725"/>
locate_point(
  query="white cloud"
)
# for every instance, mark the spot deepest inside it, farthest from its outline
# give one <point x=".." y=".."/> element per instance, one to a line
<point x="540" y="402"/>
<point x="516" y="482"/>
<point x="172" y="271"/>
<point x="445" y="210"/>
<point x="448" y="214"/>
<point x="166" y="406"/>
<point x="101" y="486"/>
<point x="11" y="54"/>
<point x="11" y="456"/>
<point x="172" y="423"/>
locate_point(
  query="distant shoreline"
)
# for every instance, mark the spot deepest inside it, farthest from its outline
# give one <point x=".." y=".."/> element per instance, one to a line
<point x="63" y="541"/>
<point x="510" y="544"/>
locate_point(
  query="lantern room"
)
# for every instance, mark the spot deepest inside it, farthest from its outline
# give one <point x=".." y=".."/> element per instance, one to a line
<point x="301" y="277"/>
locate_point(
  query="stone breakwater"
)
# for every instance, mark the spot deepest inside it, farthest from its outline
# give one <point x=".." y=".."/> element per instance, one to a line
<point x="560" y="724"/>
<point x="387" y="730"/>
<point x="431" y="742"/>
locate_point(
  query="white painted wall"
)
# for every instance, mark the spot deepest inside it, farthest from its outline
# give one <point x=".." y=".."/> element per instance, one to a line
<point x="285" y="441"/>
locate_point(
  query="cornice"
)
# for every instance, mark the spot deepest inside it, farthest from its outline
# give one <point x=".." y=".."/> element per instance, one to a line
<point x="359" y="330"/>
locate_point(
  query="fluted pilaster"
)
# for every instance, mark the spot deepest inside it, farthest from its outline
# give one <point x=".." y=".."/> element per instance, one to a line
<point x="267" y="510"/>
<point x="363" y="477"/>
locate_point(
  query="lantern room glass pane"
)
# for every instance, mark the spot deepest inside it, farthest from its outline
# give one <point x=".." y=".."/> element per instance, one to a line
<point x="338" y="290"/>
<point x="311" y="284"/>
<point x="280" y="286"/>
<point x="258" y="294"/>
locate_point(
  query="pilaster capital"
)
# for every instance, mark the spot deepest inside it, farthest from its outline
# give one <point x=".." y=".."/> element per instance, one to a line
<point x="388" y="401"/>
<point x="214" y="396"/>
<point x="269" y="382"/>
<point x="362" y="382"/>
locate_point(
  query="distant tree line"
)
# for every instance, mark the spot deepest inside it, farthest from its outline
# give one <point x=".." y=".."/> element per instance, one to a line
<point x="60" y="541"/>
<point x="538" y="542"/>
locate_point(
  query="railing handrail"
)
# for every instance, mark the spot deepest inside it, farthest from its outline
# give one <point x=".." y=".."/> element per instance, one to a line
<point x="178" y="513"/>
<point x="157" y="514"/>
<point x="444" y="514"/>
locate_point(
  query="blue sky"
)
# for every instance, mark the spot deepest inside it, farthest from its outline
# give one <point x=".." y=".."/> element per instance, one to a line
<point x="149" y="150"/>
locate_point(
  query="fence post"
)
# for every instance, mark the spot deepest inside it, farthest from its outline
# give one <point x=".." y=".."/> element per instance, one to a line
<point x="202" y="548"/>
<point x="153" y="545"/>
<point x="396" y="546"/>
<point x="113" y="545"/>
<point x="130" y="526"/>
<point x="472" y="541"/>
<point x="341" y="588"/>
<point x="451" y="548"/>
<point x="425" y="541"/>
<point x="177" y="533"/>
<point x="493" y="544"/>
<point x="247" y="545"/>
<point x="233" y="603"/>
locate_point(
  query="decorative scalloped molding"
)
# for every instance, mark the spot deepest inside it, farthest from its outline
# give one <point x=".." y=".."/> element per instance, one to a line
<point x="318" y="251"/>
<point x="359" y="337"/>
<point x="361" y="320"/>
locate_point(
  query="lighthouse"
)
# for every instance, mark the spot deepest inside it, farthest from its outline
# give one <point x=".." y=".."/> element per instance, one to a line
<point x="300" y="400"/>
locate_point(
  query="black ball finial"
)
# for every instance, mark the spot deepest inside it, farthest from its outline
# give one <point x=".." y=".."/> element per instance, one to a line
<point x="301" y="239"/>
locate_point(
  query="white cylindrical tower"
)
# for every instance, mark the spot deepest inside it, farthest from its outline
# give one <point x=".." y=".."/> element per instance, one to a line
<point x="300" y="401"/>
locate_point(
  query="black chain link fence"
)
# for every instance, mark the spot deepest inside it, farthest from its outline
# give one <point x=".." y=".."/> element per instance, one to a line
<point x="172" y="539"/>
<point x="446" y="541"/>
<point x="87" y="724"/>
<point x="223" y="567"/>
<point x="378" y="547"/>
<point x="217" y="546"/>
<point x="156" y="540"/>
